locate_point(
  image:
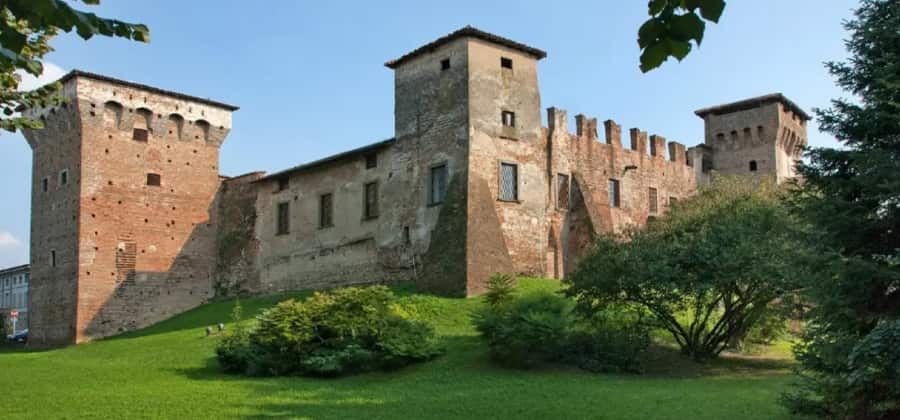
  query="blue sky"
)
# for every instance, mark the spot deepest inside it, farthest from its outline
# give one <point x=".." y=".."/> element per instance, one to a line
<point x="310" y="80"/>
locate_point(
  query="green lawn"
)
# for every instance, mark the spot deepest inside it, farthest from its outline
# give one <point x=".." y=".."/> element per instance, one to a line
<point x="169" y="371"/>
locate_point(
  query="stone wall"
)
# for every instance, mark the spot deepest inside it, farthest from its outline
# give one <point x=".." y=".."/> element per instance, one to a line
<point x="237" y="246"/>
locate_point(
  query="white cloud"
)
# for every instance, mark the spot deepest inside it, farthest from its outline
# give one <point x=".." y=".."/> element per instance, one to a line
<point x="52" y="72"/>
<point x="7" y="240"/>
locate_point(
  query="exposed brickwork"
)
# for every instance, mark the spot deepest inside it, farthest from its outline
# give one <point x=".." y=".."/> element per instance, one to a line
<point x="519" y="197"/>
<point x="129" y="254"/>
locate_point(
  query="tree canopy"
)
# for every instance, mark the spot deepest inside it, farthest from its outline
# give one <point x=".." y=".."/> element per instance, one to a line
<point x="26" y="29"/>
<point x="849" y="360"/>
<point x="673" y="24"/>
<point x="707" y="271"/>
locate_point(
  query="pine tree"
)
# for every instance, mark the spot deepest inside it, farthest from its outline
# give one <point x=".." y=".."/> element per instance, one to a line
<point x="850" y="355"/>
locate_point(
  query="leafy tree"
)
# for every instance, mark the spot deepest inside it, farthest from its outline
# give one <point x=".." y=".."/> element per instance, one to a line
<point x="850" y="363"/>
<point x="26" y="28"/>
<point x="673" y="24"/>
<point x="706" y="272"/>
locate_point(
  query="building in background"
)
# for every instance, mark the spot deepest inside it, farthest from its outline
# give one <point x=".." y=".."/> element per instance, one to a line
<point x="14" y="294"/>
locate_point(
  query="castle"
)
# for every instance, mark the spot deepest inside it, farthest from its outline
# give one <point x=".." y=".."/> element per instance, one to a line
<point x="132" y="223"/>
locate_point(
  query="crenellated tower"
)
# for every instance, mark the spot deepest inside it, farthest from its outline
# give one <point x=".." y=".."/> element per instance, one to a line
<point x="123" y="188"/>
<point x="762" y="136"/>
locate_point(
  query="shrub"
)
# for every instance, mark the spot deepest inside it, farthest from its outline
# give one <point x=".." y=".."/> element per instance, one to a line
<point x="528" y="330"/>
<point x="332" y="333"/>
<point x="541" y="327"/>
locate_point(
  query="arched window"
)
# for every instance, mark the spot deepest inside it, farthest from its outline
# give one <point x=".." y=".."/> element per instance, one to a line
<point x="752" y="166"/>
<point x="112" y="113"/>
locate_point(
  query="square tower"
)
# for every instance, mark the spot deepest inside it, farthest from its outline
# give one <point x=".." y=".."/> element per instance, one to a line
<point x="762" y="136"/>
<point x="469" y="103"/>
<point x="123" y="188"/>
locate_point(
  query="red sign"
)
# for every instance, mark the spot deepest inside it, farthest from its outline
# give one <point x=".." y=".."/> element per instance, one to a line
<point x="13" y="314"/>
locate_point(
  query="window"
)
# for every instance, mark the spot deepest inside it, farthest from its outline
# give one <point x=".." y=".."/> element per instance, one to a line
<point x="371" y="200"/>
<point x="562" y="191"/>
<point x="325" y="211"/>
<point x="406" y="238"/>
<point x="438" y="187"/>
<point x="506" y="63"/>
<point x="63" y="178"/>
<point x="654" y="204"/>
<point x="509" y="118"/>
<point x="139" y="134"/>
<point x="45" y="184"/>
<point x="445" y="64"/>
<point x="283" y="223"/>
<point x="52" y="258"/>
<point x="154" y="180"/>
<point x="753" y="166"/>
<point x="509" y="182"/>
<point x="371" y="160"/>
<point x="614" y="195"/>
<point x="283" y="184"/>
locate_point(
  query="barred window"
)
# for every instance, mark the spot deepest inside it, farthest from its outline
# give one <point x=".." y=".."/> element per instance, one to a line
<point x="284" y="218"/>
<point x="562" y="191"/>
<point x="438" y="188"/>
<point x="371" y="200"/>
<point x="654" y="205"/>
<point x="326" y="211"/>
<point x="614" y="196"/>
<point x="509" y="182"/>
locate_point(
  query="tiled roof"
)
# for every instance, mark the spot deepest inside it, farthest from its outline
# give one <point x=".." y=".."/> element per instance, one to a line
<point x="471" y="32"/>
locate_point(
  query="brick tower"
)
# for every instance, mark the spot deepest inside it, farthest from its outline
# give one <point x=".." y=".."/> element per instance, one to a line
<point x="758" y="136"/>
<point x="124" y="182"/>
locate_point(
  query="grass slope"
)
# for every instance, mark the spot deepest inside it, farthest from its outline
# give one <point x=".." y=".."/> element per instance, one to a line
<point x="169" y="371"/>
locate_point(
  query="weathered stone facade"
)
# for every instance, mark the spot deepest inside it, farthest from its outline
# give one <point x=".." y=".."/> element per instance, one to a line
<point x="472" y="184"/>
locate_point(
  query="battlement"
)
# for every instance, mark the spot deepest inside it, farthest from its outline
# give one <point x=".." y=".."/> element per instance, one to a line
<point x="165" y="115"/>
<point x="654" y="146"/>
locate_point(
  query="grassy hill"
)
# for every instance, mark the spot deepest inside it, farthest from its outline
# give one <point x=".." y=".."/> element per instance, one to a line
<point x="169" y="371"/>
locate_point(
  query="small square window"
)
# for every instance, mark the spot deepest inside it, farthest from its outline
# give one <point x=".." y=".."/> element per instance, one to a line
<point x="154" y="180"/>
<point x="445" y="64"/>
<point x="283" y="224"/>
<point x="326" y="211"/>
<point x="371" y="160"/>
<point x="283" y="184"/>
<point x="508" y="118"/>
<point x="753" y="166"/>
<point x="614" y="193"/>
<point x="509" y="182"/>
<point x="506" y="63"/>
<point x="139" y="134"/>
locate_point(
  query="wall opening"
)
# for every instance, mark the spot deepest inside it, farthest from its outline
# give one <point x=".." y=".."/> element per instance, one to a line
<point x="283" y="184"/>
<point x="203" y="130"/>
<point x="176" y="125"/>
<point x="509" y="182"/>
<point x="371" y="160"/>
<point x="370" y="200"/>
<point x="438" y="185"/>
<point x="283" y="224"/>
<point x="154" y="180"/>
<point x="615" y="198"/>
<point x="112" y="114"/>
<point x="445" y="64"/>
<point x="326" y="210"/>
<point x="562" y="191"/>
<point x="508" y="118"/>
<point x="53" y="258"/>
<point x="653" y="199"/>
<point x="753" y="166"/>
<point x="506" y="63"/>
